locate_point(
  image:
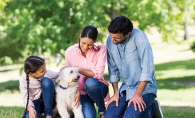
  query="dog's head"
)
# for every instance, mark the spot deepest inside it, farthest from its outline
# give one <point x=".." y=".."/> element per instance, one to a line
<point x="69" y="76"/>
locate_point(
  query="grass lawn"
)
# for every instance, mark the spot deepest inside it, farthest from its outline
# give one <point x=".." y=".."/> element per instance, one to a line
<point x="175" y="70"/>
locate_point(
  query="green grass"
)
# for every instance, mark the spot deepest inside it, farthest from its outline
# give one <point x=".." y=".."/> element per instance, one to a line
<point x="178" y="112"/>
<point x="11" y="112"/>
<point x="175" y="70"/>
<point x="11" y="85"/>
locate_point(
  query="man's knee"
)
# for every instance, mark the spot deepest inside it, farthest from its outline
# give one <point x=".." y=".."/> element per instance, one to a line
<point x="112" y="115"/>
<point x="114" y="111"/>
<point x="130" y="112"/>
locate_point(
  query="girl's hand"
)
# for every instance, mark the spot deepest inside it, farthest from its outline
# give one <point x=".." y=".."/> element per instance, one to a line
<point x="77" y="102"/>
<point x="32" y="112"/>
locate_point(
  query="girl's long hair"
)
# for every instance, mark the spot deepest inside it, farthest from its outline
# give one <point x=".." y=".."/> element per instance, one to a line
<point x="31" y="65"/>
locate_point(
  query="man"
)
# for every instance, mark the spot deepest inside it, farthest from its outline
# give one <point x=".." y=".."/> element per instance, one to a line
<point x="130" y="57"/>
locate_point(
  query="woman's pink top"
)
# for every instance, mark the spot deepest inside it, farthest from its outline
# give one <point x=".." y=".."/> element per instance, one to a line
<point x="94" y="61"/>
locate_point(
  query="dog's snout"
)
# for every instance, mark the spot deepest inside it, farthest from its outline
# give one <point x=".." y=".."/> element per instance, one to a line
<point x="78" y="76"/>
<point x="76" y="79"/>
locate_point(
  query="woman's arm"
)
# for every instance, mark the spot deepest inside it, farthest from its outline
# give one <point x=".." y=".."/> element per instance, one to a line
<point x="88" y="73"/>
<point x="100" y="63"/>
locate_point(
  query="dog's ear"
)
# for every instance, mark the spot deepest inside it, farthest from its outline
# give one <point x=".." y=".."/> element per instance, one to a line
<point x="61" y="80"/>
<point x="58" y="79"/>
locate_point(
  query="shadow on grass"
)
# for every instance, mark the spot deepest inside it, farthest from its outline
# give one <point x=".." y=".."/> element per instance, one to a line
<point x="178" y="112"/>
<point x="6" y="70"/>
<point x="187" y="64"/>
<point x="12" y="85"/>
<point x="176" y="83"/>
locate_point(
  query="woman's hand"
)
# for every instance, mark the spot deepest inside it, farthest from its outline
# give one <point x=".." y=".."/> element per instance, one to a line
<point x="77" y="102"/>
<point x="62" y="68"/>
<point x="32" y="112"/>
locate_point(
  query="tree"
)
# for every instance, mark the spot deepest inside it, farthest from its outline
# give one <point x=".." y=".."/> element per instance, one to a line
<point x="40" y="27"/>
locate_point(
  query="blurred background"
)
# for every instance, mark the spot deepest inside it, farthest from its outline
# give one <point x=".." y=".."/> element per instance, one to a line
<point x="47" y="28"/>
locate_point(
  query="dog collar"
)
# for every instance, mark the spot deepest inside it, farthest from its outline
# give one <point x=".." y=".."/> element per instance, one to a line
<point x="63" y="87"/>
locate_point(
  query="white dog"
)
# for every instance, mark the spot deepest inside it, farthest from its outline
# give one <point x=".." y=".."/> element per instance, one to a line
<point x="65" y="92"/>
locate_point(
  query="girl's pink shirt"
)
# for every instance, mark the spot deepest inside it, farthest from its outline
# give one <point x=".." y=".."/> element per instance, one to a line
<point x="94" y="61"/>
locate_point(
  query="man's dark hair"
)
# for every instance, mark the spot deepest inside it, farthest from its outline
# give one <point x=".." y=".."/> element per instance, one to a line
<point x="120" y="24"/>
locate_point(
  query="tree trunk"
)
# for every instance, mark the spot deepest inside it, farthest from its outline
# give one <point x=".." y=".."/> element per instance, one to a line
<point x="115" y="12"/>
<point x="186" y="34"/>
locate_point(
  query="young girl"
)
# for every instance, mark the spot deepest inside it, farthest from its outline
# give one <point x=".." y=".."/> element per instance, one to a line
<point x="37" y="88"/>
<point x="90" y="58"/>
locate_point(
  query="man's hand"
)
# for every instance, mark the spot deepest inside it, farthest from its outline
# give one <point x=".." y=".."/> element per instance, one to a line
<point x="138" y="101"/>
<point x="137" y="97"/>
<point x="115" y="97"/>
<point x="32" y="112"/>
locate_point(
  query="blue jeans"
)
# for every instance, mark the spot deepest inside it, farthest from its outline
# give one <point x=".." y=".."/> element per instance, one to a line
<point x="46" y="102"/>
<point x="96" y="91"/>
<point x="122" y="110"/>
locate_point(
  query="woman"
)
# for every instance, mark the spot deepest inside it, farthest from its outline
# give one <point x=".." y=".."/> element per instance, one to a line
<point x="90" y="59"/>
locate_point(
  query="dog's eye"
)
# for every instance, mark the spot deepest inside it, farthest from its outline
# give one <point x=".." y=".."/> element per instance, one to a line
<point x="71" y="71"/>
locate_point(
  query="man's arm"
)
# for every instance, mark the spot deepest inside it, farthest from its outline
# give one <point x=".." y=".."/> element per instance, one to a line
<point x="115" y="97"/>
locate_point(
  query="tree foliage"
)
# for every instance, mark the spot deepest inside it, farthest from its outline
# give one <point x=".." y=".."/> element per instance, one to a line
<point x="36" y="27"/>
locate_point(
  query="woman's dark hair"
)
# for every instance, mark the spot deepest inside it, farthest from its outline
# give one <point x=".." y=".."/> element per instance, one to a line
<point x="32" y="64"/>
<point x="91" y="32"/>
<point x="120" y="24"/>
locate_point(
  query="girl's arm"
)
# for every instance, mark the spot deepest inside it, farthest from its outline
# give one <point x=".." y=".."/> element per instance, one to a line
<point x="52" y="74"/>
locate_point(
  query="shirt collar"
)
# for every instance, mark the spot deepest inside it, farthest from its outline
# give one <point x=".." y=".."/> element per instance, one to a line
<point x="126" y="40"/>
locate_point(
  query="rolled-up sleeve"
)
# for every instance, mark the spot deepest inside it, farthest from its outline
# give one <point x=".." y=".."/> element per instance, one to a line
<point x="112" y="68"/>
<point x="146" y="56"/>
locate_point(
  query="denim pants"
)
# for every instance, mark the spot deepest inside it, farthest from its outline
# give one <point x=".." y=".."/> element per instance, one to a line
<point x="46" y="102"/>
<point x="122" y="111"/>
<point x="96" y="91"/>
